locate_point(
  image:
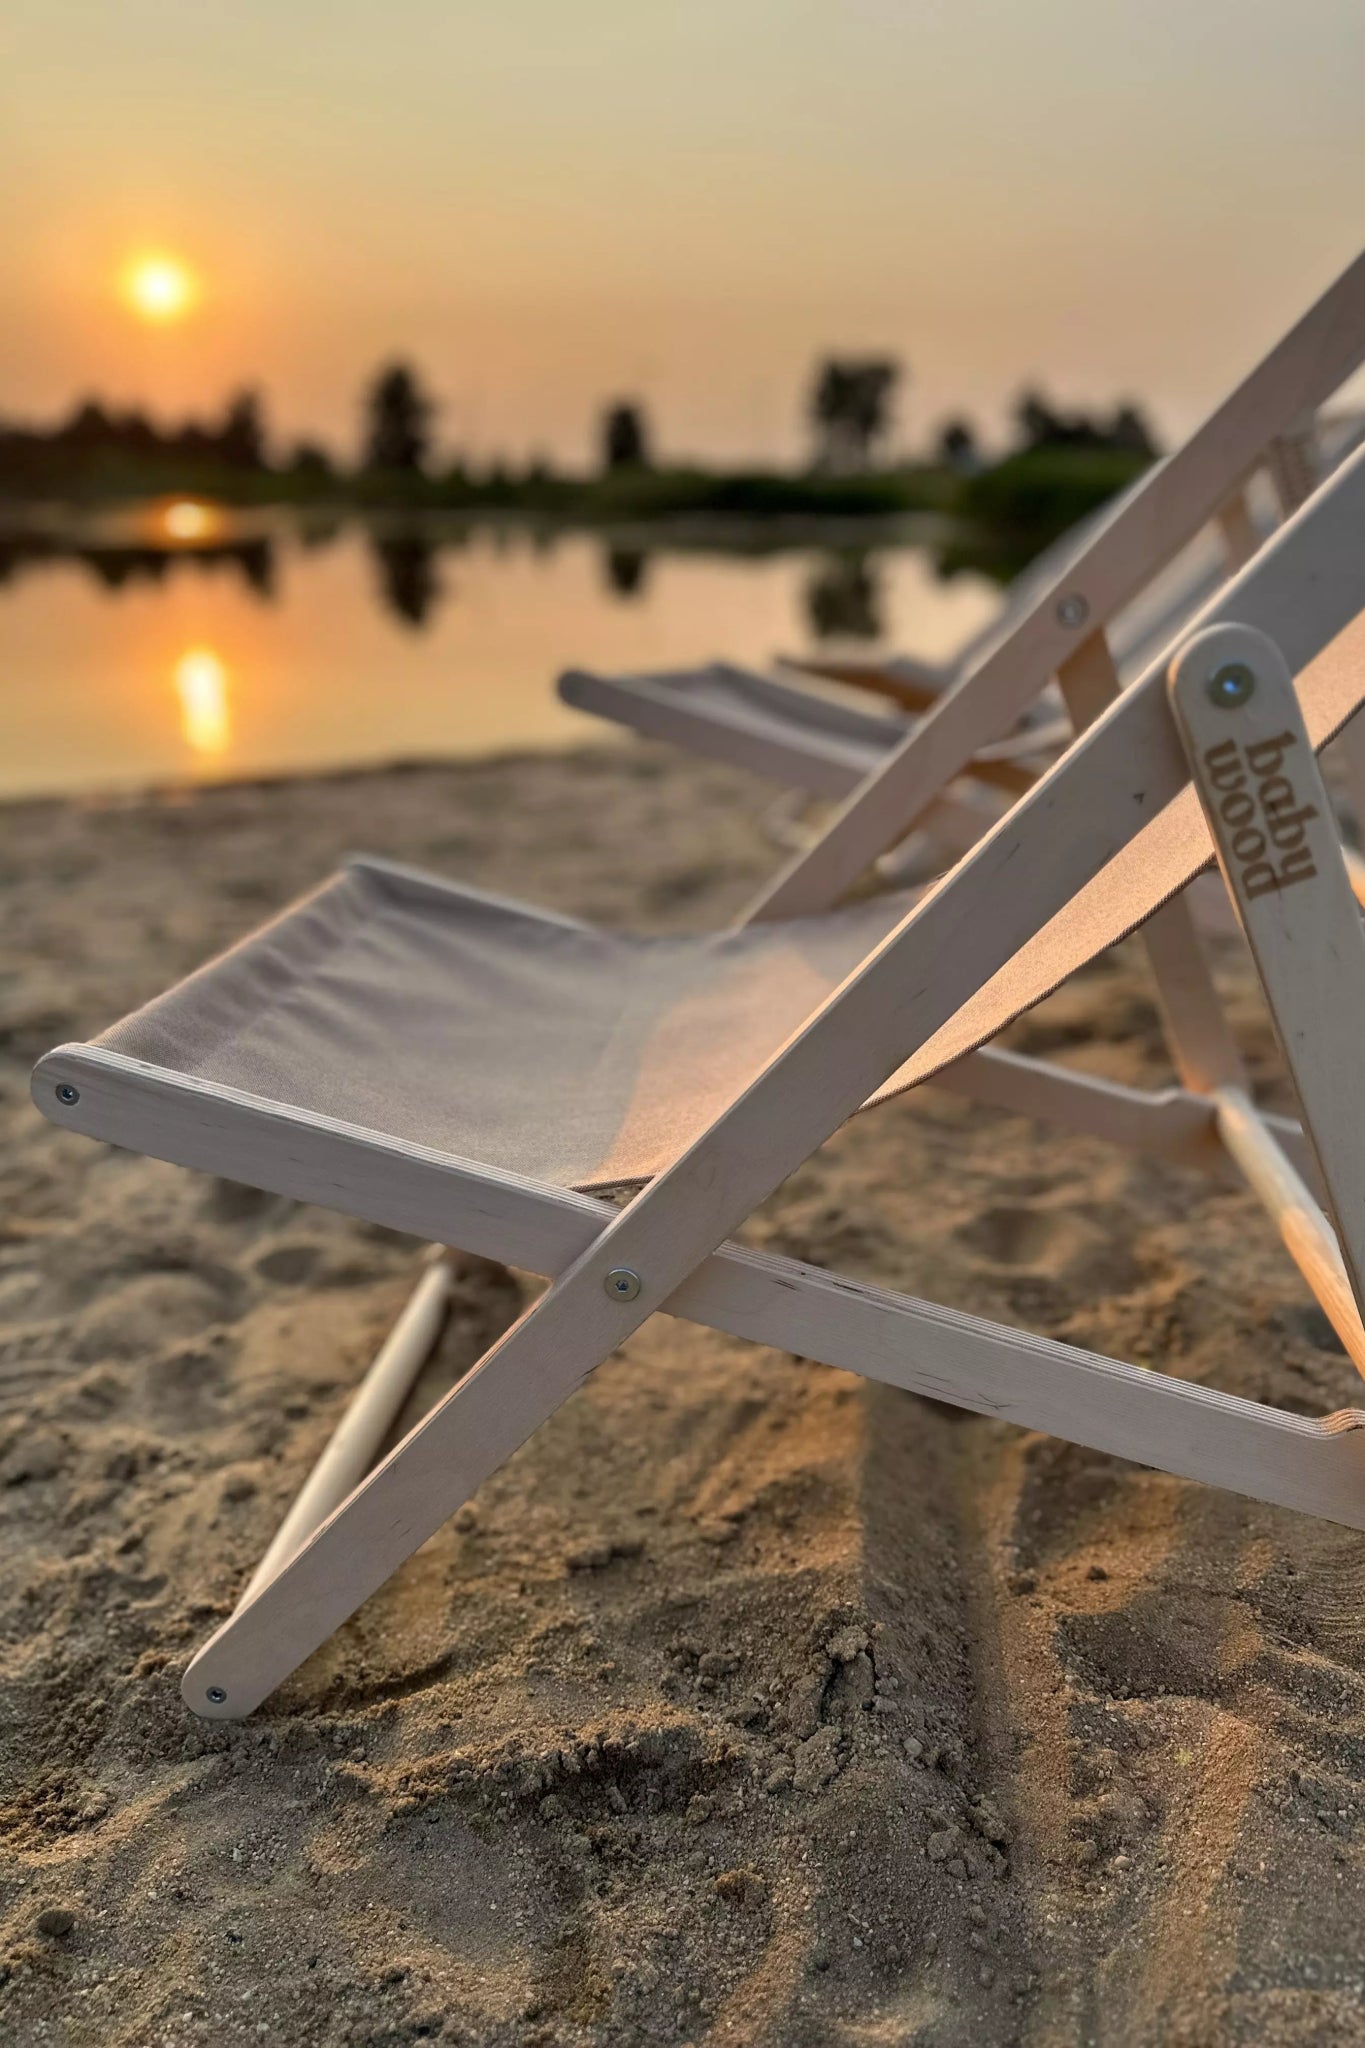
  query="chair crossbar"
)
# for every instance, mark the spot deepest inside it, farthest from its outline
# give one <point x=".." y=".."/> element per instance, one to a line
<point x="1307" y="1235"/>
<point x="369" y="1419"/>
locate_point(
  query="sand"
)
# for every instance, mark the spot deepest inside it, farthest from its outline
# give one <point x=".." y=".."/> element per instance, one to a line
<point x="748" y="1704"/>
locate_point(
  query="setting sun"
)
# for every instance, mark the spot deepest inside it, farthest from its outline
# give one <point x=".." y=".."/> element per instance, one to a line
<point x="159" y="288"/>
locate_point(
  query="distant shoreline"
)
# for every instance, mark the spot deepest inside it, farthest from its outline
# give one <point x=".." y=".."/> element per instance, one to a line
<point x="994" y="521"/>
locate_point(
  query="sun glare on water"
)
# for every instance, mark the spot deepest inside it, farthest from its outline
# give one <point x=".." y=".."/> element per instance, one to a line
<point x="201" y="685"/>
<point x="159" y="288"/>
<point x="186" y="519"/>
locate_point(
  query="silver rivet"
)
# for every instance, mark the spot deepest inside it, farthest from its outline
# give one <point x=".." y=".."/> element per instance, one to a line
<point x="215" y="1696"/>
<point x="1073" y="610"/>
<point x="67" y="1094"/>
<point x="1231" y="685"/>
<point x="621" y="1284"/>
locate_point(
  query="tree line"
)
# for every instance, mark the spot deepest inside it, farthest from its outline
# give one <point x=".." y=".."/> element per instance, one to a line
<point x="850" y="410"/>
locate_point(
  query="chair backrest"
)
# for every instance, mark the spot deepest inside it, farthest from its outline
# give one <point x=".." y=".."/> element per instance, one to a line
<point x="1261" y="421"/>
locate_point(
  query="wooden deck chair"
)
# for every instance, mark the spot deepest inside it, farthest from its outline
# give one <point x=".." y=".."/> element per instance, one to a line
<point x="820" y="745"/>
<point x="1292" y="465"/>
<point x="468" y="1070"/>
<point x="1080" y="617"/>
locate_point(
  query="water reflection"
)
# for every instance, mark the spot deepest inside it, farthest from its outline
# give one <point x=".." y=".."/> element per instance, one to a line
<point x="409" y="581"/>
<point x="843" y="598"/>
<point x="201" y="685"/>
<point x="187" y="519"/>
<point x="627" y="571"/>
<point x="116" y="565"/>
<point x="145" y="642"/>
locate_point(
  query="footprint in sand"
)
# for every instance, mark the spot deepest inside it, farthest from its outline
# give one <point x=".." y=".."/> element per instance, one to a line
<point x="1013" y="1236"/>
<point x="150" y="1310"/>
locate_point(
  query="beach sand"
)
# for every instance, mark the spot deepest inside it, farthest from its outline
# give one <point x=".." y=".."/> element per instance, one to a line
<point x="748" y="1703"/>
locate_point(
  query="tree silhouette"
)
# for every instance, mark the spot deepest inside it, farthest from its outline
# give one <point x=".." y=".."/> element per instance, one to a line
<point x="241" y="438"/>
<point x="1040" y="425"/>
<point x="1130" y="429"/>
<point x="311" y="461"/>
<point x="398" y="416"/>
<point x="957" y="446"/>
<point x="625" y="436"/>
<point x="850" y="408"/>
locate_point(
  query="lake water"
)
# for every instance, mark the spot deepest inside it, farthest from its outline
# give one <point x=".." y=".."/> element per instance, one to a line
<point x="178" y="644"/>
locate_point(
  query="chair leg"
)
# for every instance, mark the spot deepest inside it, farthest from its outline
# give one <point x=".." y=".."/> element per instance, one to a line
<point x="441" y="1462"/>
<point x="371" y="1413"/>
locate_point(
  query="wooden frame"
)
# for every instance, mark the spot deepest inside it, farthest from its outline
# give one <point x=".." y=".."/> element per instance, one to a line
<point x="668" y="1248"/>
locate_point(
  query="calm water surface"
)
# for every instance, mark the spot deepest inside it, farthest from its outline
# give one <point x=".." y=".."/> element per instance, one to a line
<point x="174" y="644"/>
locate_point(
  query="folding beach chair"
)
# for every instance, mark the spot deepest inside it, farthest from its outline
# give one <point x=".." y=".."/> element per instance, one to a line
<point x="469" y="1070"/>
<point x="1073" y="617"/>
<point x="823" y="746"/>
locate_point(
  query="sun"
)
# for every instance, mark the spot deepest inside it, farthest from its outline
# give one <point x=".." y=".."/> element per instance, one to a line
<point x="159" y="288"/>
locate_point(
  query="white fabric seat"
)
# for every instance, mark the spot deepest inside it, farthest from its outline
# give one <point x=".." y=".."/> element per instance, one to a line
<point x="497" y="1033"/>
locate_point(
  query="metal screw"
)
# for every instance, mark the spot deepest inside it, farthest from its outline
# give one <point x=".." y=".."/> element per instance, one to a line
<point x="67" y="1094"/>
<point x="1073" y="610"/>
<point x="1230" y="686"/>
<point x="621" y="1284"/>
<point x="215" y="1696"/>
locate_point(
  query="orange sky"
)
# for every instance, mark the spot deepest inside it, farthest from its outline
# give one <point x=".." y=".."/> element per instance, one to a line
<point x="543" y="203"/>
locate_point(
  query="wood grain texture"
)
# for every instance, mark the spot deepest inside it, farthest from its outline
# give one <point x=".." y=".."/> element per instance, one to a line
<point x="1271" y="819"/>
<point x="1197" y="1032"/>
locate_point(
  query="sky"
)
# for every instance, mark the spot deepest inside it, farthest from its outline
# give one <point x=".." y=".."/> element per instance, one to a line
<point x="547" y="203"/>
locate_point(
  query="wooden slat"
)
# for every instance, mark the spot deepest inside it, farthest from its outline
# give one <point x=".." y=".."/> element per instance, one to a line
<point x="1292" y="463"/>
<point x="1272" y="824"/>
<point x="1196" y="1030"/>
<point x="1176" y="1124"/>
<point x="312" y="1159"/>
<point x="1240" y="537"/>
<point x="1307" y="1235"/>
<point x="892" y="680"/>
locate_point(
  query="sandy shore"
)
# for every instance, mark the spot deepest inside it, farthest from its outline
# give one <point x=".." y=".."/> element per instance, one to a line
<point x="748" y="1704"/>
